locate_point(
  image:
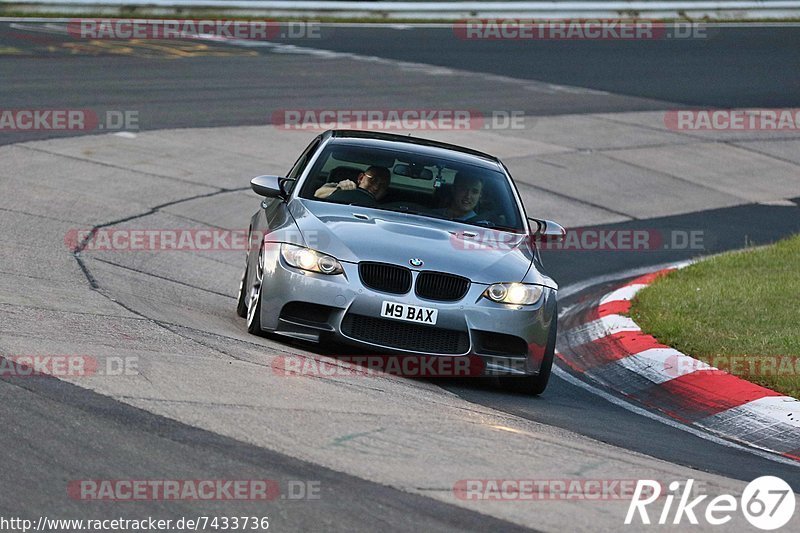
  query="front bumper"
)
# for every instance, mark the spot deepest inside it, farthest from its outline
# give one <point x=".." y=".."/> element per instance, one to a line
<point x="315" y="307"/>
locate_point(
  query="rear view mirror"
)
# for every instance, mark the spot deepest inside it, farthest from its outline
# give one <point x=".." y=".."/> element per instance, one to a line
<point x="412" y="170"/>
<point x="548" y="231"/>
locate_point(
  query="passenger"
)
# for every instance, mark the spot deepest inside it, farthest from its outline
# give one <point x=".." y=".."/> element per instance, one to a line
<point x="466" y="194"/>
<point x="373" y="184"/>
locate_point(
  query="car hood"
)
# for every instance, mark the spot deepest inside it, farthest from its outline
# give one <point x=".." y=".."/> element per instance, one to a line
<point x="353" y="234"/>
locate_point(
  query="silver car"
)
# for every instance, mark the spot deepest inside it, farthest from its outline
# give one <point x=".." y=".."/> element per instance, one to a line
<point x="404" y="246"/>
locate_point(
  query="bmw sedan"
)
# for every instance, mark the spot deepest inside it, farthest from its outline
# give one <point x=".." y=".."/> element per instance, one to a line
<point x="404" y="246"/>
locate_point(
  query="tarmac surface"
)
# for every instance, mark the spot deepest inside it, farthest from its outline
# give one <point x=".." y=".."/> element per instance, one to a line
<point x="205" y="401"/>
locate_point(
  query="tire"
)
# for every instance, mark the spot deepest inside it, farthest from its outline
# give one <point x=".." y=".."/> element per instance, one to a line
<point x="254" y="298"/>
<point x="241" y="302"/>
<point x="535" y="385"/>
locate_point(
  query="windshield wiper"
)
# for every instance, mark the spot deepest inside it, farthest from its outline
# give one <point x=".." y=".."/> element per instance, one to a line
<point x="407" y="211"/>
<point x="492" y="225"/>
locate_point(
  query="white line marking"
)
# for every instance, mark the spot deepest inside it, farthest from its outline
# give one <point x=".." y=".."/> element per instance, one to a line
<point x="660" y="365"/>
<point x="603" y="327"/>
<point x="425" y="68"/>
<point x="779" y="408"/>
<point x="625" y="293"/>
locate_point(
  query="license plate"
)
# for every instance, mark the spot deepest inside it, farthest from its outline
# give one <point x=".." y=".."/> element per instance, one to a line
<point x="409" y="313"/>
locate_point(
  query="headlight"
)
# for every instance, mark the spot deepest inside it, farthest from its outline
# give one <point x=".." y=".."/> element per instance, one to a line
<point x="514" y="293"/>
<point x="311" y="260"/>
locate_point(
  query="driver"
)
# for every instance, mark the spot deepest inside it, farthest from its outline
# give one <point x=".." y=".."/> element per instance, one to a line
<point x="373" y="184"/>
<point x="467" y="192"/>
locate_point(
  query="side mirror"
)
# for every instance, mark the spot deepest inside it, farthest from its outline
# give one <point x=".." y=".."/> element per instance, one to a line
<point x="548" y="231"/>
<point x="270" y="186"/>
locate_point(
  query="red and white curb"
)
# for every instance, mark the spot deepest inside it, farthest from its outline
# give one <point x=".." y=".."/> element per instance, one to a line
<point x="606" y="347"/>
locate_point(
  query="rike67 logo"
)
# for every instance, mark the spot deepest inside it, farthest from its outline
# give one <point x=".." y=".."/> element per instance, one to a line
<point x="767" y="502"/>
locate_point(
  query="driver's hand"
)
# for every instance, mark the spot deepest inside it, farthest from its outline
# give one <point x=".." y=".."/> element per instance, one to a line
<point x="347" y="185"/>
<point x="325" y="191"/>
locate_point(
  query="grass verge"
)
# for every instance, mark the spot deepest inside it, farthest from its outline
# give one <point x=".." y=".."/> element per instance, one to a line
<point x="739" y="312"/>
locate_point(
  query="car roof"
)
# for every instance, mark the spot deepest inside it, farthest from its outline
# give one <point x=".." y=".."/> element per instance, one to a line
<point x="416" y="145"/>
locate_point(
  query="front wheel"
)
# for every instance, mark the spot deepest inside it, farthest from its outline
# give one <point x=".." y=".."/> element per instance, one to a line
<point x="254" y="297"/>
<point x="241" y="302"/>
<point x="536" y="385"/>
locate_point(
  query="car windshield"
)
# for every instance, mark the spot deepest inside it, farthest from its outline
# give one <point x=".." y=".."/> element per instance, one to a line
<point x="413" y="183"/>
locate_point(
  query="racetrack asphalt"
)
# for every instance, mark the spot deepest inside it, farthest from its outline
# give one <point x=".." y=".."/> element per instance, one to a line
<point x="204" y="83"/>
<point x="112" y="429"/>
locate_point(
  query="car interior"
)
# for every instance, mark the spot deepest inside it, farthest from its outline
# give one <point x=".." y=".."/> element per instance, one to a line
<point x="418" y="185"/>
